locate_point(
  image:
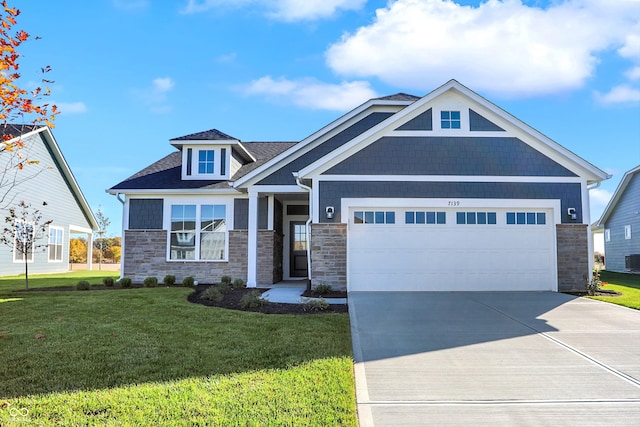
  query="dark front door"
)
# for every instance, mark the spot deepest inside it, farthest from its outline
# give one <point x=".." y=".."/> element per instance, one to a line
<point x="298" y="245"/>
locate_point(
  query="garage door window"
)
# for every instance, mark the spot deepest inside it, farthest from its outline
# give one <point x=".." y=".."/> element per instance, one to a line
<point x="429" y="217"/>
<point x="374" y="217"/>
<point x="476" y="218"/>
<point x="529" y="218"/>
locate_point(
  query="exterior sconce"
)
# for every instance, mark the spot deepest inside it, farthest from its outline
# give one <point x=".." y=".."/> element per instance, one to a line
<point x="329" y="211"/>
<point x="572" y="213"/>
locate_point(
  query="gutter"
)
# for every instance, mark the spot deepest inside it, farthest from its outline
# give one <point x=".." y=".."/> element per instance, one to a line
<point x="307" y="226"/>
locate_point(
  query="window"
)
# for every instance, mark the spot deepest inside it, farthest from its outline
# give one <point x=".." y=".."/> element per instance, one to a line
<point x="23" y="244"/>
<point x="530" y="218"/>
<point x="183" y="232"/>
<point x="223" y="161"/>
<point x="55" y="244"/>
<point x="198" y="234"/>
<point x="213" y="232"/>
<point x="481" y="218"/>
<point x="607" y="235"/>
<point x="374" y="217"/>
<point x="205" y="161"/>
<point x="450" y="119"/>
<point x="627" y="232"/>
<point x="189" y="160"/>
<point x="429" y="217"/>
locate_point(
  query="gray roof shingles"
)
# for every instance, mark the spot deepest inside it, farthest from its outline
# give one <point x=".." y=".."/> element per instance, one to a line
<point x="207" y="135"/>
<point x="165" y="174"/>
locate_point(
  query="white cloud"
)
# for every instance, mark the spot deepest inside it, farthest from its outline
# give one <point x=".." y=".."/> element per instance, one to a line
<point x="284" y="10"/>
<point x="156" y="97"/>
<point x="599" y="197"/>
<point x="71" y="107"/>
<point x="620" y="94"/>
<point x="633" y="73"/>
<point x="310" y="93"/>
<point x="502" y="47"/>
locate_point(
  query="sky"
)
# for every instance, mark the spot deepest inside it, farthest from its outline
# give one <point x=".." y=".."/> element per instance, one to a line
<point x="129" y="75"/>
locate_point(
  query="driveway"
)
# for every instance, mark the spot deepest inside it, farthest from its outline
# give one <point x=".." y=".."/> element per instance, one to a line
<point x="494" y="358"/>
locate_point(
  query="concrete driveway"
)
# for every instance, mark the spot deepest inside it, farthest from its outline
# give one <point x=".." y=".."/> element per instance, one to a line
<point x="494" y="358"/>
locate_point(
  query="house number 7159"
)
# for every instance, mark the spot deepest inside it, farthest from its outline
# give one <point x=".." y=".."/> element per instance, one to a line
<point x="454" y="202"/>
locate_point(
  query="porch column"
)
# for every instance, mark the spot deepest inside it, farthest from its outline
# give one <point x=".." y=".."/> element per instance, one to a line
<point x="252" y="244"/>
<point x="89" y="250"/>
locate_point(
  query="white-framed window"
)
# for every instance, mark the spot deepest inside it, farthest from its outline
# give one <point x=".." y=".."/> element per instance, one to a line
<point x="198" y="232"/>
<point x="481" y="218"/>
<point x="23" y="242"/>
<point x="205" y="162"/>
<point x="55" y="244"/>
<point x="374" y="217"/>
<point x="422" y="217"/>
<point x="627" y="232"/>
<point x="607" y="235"/>
<point x="529" y="218"/>
<point x="450" y="119"/>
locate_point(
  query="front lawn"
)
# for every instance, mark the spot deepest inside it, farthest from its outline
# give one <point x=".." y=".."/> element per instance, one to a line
<point x="149" y="357"/>
<point x="628" y="285"/>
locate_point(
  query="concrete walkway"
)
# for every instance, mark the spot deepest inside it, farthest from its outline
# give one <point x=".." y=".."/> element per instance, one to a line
<point x="521" y="358"/>
<point x="291" y="293"/>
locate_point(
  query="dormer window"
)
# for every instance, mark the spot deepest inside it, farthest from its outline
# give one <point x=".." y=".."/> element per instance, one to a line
<point x="205" y="161"/>
<point x="450" y="119"/>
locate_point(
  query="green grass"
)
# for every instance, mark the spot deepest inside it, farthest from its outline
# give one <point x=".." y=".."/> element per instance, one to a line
<point x="628" y="285"/>
<point x="149" y="357"/>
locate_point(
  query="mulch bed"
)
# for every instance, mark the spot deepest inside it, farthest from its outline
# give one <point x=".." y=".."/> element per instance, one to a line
<point x="332" y="294"/>
<point x="232" y="299"/>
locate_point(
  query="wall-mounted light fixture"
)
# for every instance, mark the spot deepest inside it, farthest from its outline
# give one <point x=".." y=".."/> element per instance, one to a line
<point x="572" y="213"/>
<point x="329" y="211"/>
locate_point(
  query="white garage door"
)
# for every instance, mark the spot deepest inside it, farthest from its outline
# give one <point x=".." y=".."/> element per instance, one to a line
<point x="451" y="249"/>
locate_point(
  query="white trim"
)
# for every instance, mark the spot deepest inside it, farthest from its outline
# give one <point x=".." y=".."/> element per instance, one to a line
<point x="449" y="203"/>
<point x="79" y="229"/>
<point x="175" y="191"/>
<point x="252" y="240"/>
<point x="450" y="178"/>
<point x="49" y="244"/>
<point x="286" y="244"/>
<point x="622" y="185"/>
<point x="270" y="211"/>
<point x="466" y="133"/>
<point x="320" y="136"/>
<point x="276" y="189"/>
<point x="627" y="232"/>
<point x="607" y="235"/>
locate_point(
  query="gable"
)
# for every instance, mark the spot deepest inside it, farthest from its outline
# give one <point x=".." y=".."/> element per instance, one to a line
<point x="284" y="175"/>
<point x="625" y="211"/>
<point x="492" y="156"/>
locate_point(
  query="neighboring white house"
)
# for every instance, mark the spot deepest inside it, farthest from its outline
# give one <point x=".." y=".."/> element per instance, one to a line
<point x="50" y="181"/>
<point x="441" y="192"/>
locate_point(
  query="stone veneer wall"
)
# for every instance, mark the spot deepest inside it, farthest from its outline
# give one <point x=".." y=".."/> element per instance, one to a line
<point x="329" y="255"/>
<point x="573" y="257"/>
<point x="145" y="255"/>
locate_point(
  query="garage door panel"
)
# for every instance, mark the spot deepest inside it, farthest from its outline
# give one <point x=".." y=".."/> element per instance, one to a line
<point x="451" y="257"/>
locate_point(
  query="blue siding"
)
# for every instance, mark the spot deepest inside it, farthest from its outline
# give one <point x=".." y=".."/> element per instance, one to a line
<point x="331" y="192"/>
<point x="626" y="212"/>
<point x="479" y="123"/>
<point x="145" y="214"/>
<point x="241" y="214"/>
<point x="449" y="156"/>
<point x="422" y="122"/>
<point x="283" y="176"/>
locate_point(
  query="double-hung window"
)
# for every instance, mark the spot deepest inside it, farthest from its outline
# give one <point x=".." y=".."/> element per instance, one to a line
<point x="23" y="242"/>
<point x="198" y="232"/>
<point x="55" y="244"/>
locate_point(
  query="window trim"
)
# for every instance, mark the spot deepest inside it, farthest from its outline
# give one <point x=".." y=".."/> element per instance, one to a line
<point x="50" y="244"/>
<point x="198" y="203"/>
<point x="204" y="164"/>
<point x="607" y="235"/>
<point x="30" y="256"/>
<point x="449" y="120"/>
<point x="627" y="232"/>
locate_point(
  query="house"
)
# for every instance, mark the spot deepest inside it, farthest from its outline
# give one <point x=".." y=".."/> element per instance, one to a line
<point x="621" y="223"/>
<point x="50" y="181"/>
<point x="444" y="192"/>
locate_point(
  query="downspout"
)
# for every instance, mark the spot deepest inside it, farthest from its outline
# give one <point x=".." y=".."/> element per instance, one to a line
<point x="308" y="227"/>
<point x="121" y="238"/>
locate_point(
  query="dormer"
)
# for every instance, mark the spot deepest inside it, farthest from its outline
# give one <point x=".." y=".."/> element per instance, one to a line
<point x="211" y="155"/>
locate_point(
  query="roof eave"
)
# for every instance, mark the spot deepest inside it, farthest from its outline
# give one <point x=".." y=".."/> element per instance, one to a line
<point x="626" y="178"/>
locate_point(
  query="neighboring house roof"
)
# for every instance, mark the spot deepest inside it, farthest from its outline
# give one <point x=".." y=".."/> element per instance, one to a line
<point x="165" y="174"/>
<point x="624" y="182"/>
<point x="22" y="131"/>
<point x="399" y="97"/>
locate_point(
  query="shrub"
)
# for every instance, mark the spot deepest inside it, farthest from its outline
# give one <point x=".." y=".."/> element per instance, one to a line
<point x="150" y="282"/>
<point x="239" y="284"/>
<point x="108" y="281"/>
<point x="223" y="287"/>
<point x="252" y="299"/>
<point x="322" y="289"/>
<point x="213" y="293"/>
<point x="593" y="285"/>
<point x="188" y="282"/>
<point x="320" y="304"/>
<point x="226" y="279"/>
<point x="169" y="280"/>
<point x="83" y="285"/>
<point x="125" y="282"/>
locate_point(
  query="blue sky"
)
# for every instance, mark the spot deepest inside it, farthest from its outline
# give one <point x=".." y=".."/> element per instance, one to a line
<point x="132" y="74"/>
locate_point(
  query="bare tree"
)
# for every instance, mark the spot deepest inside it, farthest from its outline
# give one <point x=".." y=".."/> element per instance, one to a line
<point x="103" y="223"/>
<point x="24" y="228"/>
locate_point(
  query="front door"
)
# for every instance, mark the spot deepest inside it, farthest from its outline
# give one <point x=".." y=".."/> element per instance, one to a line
<point x="298" y="245"/>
